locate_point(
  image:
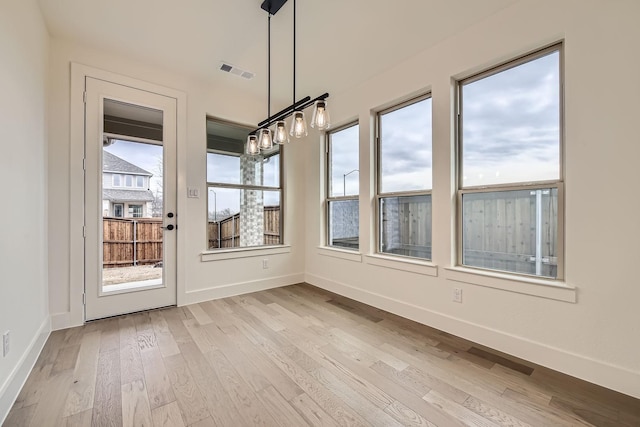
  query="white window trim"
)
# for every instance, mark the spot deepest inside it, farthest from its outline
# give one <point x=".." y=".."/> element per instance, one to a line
<point x="244" y="252"/>
<point x="113" y="180"/>
<point x="534" y="286"/>
<point x="384" y="256"/>
<point x="329" y="198"/>
<point x="514" y="277"/>
<point x="340" y="253"/>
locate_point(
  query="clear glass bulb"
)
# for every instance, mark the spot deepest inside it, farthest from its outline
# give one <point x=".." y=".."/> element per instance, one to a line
<point x="298" y="125"/>
<point x="252" y="145"/>
<point x="320" y="117"/>
<point x="280" y="135"/>
<point x="265" y="142"/>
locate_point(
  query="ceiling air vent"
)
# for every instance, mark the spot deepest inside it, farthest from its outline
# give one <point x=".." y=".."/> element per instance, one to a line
<point x="232" y="69"/>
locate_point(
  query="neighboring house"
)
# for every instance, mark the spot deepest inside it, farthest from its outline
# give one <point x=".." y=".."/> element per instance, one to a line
<point x="125" y="189"/>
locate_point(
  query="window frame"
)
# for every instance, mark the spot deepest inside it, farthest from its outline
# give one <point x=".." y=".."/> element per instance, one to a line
<point x="516" y="186"/>
<point x="128" y="181"/>
<point x="328" y="197"/>
<point x="113" y="180"/>
<point x="378" y="177"/>
<point x="138" y="178"/>
<point x="132" y="210"/>
<point x="212" y="184"/>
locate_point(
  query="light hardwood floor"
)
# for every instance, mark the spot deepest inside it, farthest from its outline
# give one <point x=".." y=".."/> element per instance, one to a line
<point x="295" y="356"/>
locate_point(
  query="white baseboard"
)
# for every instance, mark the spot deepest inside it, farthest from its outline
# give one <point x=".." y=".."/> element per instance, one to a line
<point x="595" y="371"/>
<point x="61" y="321"/>
<point x="240" y="288"/>
<point x="14" y="383"/>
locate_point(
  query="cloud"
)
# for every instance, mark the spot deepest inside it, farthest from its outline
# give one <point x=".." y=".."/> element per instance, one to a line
<point x="511" y="128"/>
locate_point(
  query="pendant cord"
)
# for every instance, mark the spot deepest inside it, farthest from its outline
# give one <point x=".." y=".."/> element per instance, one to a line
<point x="294" y="51"/>
<point x="269" y="67"/>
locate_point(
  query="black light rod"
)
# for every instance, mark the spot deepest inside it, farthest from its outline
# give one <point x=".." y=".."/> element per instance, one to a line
<point x="290" y="107"/>
<point x="300" y="105"/>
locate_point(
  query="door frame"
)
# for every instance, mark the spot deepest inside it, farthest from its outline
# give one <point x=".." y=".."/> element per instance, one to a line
<point x="99" y="302"/>
<point x="79" y="73"/>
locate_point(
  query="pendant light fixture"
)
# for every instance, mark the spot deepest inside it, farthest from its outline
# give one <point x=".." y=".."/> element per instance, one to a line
<point x="263" y="137"/>
<point x="280" y="135"/>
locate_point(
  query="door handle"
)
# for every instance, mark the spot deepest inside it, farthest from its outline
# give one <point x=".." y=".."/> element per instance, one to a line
<point x="170" y="215"/>
<point x="169" y="227"/>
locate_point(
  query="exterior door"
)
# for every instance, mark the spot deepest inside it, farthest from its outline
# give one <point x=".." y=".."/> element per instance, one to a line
<point x="130" y="200"/>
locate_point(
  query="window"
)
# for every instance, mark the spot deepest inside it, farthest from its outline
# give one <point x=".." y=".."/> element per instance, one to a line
<point x="140" y="181"/>
<point x="510" y="167"/>
<point x="128" y="180"/>
<point x="343" y="187"/>
<point x="118" y="210"/>
<point x="135" y="211"/>
<point x="404" y="179"/>
<point x="244" y="192"/>
<point x="117" y="180"/>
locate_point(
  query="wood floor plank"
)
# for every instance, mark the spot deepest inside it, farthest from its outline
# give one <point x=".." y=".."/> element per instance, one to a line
<point x="238" y="391"/>
<point x="200" y="336"/>
<point x="49" y="410"/>
<point x="107" y="405"/>
<point x="457" y="411"/>
<point x="166" y="342"/>
<point x="32" y="390"/>
<point x="407" y="416"/>
<point x="82" y="419"/>
<point x="280" y="410"/>
<point x="157" y="381"/>
<point x="82" y="391"/>
<point x="66" y="359"/>
<point x="223" y="412"/>
<point x="199" y="314"/>
<point x="189" y="397"/>
<point x="167" y="416"/>
<point x="135" y="404"/>
<point x="130" y="361"/>
<point x="311" y="412"/>
<point x="20" y="416"/>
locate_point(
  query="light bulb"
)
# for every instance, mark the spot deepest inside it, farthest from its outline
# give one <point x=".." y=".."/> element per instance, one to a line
<point x="280" y="135"/>
<point x="298" y="125"/>
<point x="252" y="145"/>
<point x="265" y="142"/>
<point x="320" y="117"/>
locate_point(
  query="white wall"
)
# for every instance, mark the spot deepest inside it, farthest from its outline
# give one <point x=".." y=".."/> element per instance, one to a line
<point x="197" y="280"/>
<point x="596" y="337"/>
<point x="23" y="172"/>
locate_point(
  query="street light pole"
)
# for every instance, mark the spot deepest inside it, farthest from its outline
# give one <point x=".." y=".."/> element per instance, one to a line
<point x="344" y="181"/>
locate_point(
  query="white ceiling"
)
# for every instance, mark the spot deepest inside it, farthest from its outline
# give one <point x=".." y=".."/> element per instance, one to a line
<point x="340" y="42"/>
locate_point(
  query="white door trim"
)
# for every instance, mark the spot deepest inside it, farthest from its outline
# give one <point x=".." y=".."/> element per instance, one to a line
<point x="79" y="72"/>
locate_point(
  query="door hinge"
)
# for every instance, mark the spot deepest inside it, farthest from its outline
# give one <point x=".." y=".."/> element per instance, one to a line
<point x="84" y="96"/>
<point x="84" y="164"/>
<point x="84" y="299"/>
<point x="84" y="231"/>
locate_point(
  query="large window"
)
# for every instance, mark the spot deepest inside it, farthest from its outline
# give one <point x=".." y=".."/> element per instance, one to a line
<point x="343" y="187"/>
<point x="510" y="167"/>
<point x="404" y="179"/>
<point x="243" y="191"/>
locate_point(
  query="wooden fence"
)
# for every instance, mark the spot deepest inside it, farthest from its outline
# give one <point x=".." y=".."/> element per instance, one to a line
<point x="131" y="241"/>
<point x="229" y="236"/>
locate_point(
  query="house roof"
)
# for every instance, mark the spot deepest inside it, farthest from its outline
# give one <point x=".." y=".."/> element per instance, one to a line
<point x="127" y="195"/>
<point x="113" y="163"/>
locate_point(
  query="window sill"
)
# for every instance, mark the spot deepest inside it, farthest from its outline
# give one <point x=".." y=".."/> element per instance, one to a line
<point x="404" y="264"/>
<point x="234" y="253"/>
<point x="340" y="253"/>
<point x="544" y="288"/>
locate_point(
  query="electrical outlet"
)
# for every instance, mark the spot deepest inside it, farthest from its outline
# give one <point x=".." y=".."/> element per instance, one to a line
<point x="265" y="263"/>
<point x="5" y="343"/>
<point x="457" y="295"/>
